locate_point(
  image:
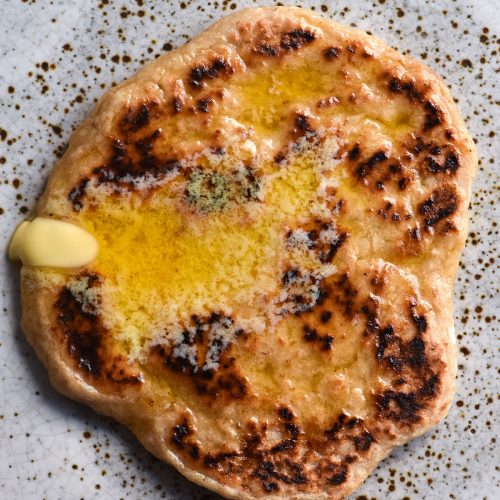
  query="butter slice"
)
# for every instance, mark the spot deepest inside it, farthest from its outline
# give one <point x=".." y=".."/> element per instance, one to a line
<point x="46" y="242"/>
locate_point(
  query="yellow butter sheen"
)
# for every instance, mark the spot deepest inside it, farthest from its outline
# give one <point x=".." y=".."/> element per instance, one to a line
<point x="152" y="256"/>
<point x="46" y="242"/>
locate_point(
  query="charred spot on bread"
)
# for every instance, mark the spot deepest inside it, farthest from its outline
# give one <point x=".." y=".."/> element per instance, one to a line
<point x="286" y="413"/>
<point x="209" y="71"/>
<point x="399" y="406"/>
<point x="365" y="168"/>
<point x="394" y="212"/>
<point x="267" y="49"/>
<point x="396" y="353"/>
<point x="325" y="341"/>
<point x="201" y="353"/>
<point x="406" y="407"/>
<point x="433" y="115"/>
<point x="83" y="333"/>
<point x="203" y="105"/>
<point x="331" y="53"/>
<point x="344" y="294"/>
<point x="323" y="238"/>
<point x="296" y="38"/>
<point x="76" y="194"/>
<point x="289" y="41"/>
<point x="291" y="461"/>
<point x="354" y="152"/>
<point x="302" y="291"/>
<point x="410" y="358"/>
<point x="128" y="164"/>
<point x="139" y="117"/>
<point x="87" y="339"/>
<point x="442" y="203"/>
<point x="181" y="432"/>
<point x="449" y="164"/>
<point x="303" y="123"/>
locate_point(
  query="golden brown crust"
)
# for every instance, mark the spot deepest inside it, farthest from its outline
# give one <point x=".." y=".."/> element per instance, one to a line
<point x="379" y="326"/>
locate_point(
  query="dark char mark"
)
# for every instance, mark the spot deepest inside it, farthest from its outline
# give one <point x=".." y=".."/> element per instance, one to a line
<point x="326" y="316"/>
<point x="398" y="354"/>
<point x="450" y="164"/>
<point x="340" y="476"/>
<point x="180" y="433"/>
<point x="122" y="166"/>
<point x="354" y="152"/>
<point x="420" y="322"/>
<point x="290" y="41"/>
<point x="135" y="119"/>
<point x="333" y="247"/>
<point x="442" y="203"/>
<point x="286" y="414"/>
<point x="364" y="441"/>
<point x="125" y="167"/>
<point x="295" y="39"/>
<point x="311" y="335"/>
<point x="405" y="407"/>
<point x="409" y="359"/>
<point x="203" y="72"/>
<point x="77" y="193"/>
<point x="203" y="105"/>
<point x="432" y="116"/>
<point x="399" y="406"/>
<point x="432" y="112"/>
<point x="267" y="49"/>
<point x="351" y="428"/>
<point x="324" y="238"/>
<point x="84" y="334"/>
<point x="345" y="295"/>
<point x="366" y="167"/>
<point x="303" y="291"/>
<point x="208" y="382"/>
<point x="331" y="53"/>
<point x="342" y="422"/>
<point x="302" y="123"/>
<point x="180" y="437"/>
<point x="287" y="444"/>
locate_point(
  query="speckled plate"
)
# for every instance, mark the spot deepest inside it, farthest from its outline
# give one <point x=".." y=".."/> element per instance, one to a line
<point x="57" y="58"/>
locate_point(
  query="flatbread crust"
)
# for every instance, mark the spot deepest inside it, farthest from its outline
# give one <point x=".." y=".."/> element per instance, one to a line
<point x="366" y="361"/>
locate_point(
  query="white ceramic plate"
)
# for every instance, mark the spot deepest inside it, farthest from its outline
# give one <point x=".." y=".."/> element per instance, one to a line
<point x="57" y="58"/>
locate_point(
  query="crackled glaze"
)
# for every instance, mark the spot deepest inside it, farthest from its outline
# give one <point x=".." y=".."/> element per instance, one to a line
<point x="56" y="61"/>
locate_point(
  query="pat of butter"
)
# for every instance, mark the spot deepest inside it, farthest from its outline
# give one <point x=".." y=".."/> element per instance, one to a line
<point x="52" y="243"/>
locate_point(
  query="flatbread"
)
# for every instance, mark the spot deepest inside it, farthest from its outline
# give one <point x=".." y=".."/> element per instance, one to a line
<point x="280" y="205"/>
